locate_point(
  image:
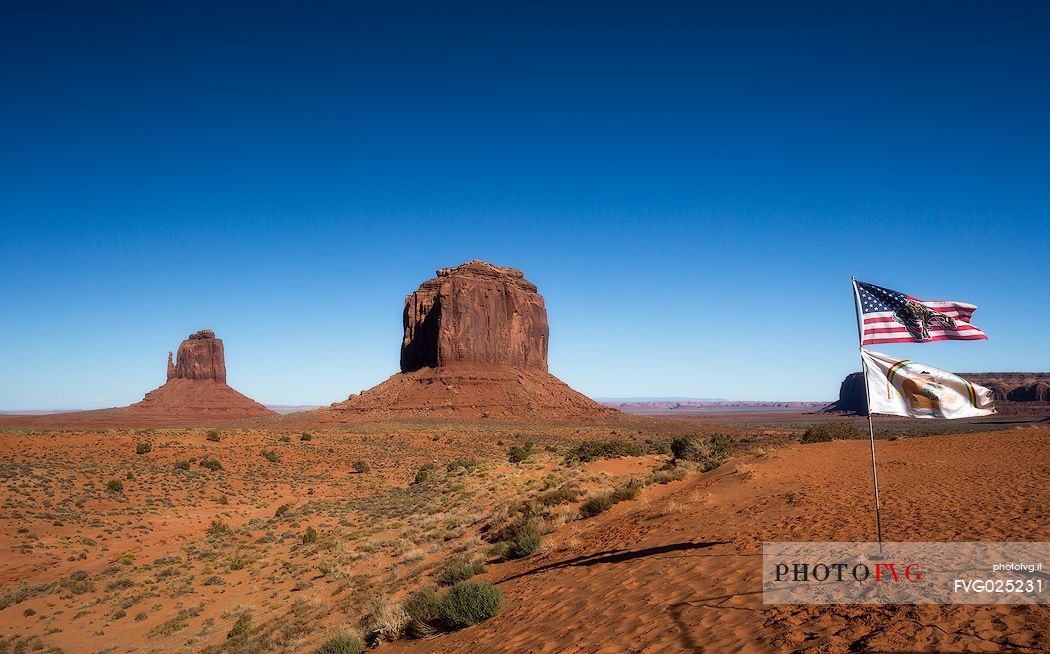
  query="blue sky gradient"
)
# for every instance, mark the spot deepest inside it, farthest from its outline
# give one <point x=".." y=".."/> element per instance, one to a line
<point x="690" y="187"/>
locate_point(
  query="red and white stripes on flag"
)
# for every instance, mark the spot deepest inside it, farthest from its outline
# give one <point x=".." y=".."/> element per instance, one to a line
<point x="893" y="317"/>
<point x="883" y="327"/>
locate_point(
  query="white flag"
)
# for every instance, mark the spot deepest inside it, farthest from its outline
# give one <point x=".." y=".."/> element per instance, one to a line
<point x="899" y="387"/>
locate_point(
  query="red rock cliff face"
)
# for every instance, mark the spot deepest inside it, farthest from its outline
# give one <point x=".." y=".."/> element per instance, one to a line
<point x="475" y="313"/>
<point x="200" y="357"/>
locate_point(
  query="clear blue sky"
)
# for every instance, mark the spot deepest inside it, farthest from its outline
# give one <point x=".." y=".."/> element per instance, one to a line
<point x="690" y="187"/>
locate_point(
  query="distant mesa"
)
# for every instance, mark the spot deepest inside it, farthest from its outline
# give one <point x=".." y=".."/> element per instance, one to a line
<point x="196" y="386"/>
<point x="1014" y="392"/>
<point x="195" y="393"/>
<point x="474" y="346"/>
<point x="476" y="313"/>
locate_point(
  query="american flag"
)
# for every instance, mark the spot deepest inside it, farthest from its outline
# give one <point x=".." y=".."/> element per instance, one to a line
<point x="893" y="317"/>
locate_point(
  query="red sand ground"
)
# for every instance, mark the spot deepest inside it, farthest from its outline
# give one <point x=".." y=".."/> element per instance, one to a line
<point x="675" y="570"/>
<point x="680" y="570"/>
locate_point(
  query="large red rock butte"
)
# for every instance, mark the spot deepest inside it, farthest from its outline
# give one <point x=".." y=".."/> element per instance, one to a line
<point x="476" y="313"/>
<point x="195" y="393"/>
<point x="474" y="346"/>
<point x="200" y="357"/>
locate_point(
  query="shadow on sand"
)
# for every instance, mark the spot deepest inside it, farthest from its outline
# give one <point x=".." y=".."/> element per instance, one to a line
<point x="615" y="556"/>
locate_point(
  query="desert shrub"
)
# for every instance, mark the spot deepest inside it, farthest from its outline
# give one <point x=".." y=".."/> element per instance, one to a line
<point x="424" y="473"/>
<point x="605" y="501"/>
<point x="611" y="449"/>
<point x="595" y="505"/>
<point x="361" y="466"/>
<point x="281" y="510"/>
<point x="469" y="603"/>
<point x="519" y="453"/>
<point x="346" y="643"/>
<point x="115" y="485"/>
<point x="829" y="431"/>
<point x="78" y="583"/>
<point x="666" y="476"/>
<point x="628" y="491"/>
<point x="386" y="621"/>
<point x="306" y="436"/>
<point x="466" y="464"/>
<point x="210" y="464"/>
<point x="143" y="448"/>
<point x="218" y="529"/>
<point x="213" y="435"/>
<point x="710" y="451"/>
<point x="422" y="605"/>
<point x="459" y="570"/>
<point x="182" y="465"/>
<point x="271" y="456"/>
<point x="524" y="539"/>
<point x="310" y="536"/>
<point x="285" y="439"/>
<point x="558" y="496"/>
<point x="241" y="627"/>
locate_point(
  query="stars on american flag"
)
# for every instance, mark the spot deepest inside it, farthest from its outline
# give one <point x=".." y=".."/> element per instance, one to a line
<point x="875" y="299"/>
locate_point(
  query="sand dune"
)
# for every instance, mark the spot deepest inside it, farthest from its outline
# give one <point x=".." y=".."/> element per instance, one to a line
<point x="680" y="569"/>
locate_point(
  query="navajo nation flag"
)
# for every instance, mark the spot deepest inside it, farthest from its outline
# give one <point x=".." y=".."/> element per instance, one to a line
<point x="893" y="317"/>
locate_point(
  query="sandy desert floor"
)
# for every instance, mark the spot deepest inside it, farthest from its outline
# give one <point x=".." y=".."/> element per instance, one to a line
<point x="284" y="542"/>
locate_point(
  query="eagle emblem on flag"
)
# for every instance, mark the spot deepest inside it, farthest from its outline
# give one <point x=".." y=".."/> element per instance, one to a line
<point x="918" y="319"/>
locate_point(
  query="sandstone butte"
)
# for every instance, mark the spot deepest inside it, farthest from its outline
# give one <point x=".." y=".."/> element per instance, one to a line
<point x="474" y="346"/>
<point x="195" y="393"/>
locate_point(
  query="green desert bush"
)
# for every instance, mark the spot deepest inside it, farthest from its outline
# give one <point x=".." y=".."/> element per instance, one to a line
<point x="306" y="436"/>
<point x="281" y="510"/>
<point x="218" y="529"/>
<point x="271" y="456"/>
<point x="213" y="435"/>
<point x="524" y="538"/>
<point x="469" y="603"/>
<point x="519" y="453"/>
<point x="241" y="627"/>
<point x="182" y="465"/>
<point x="143" y="448"/>
<point x="115" y="485"/>
<point x="422" y="609"/>
<point x="459" y="570"/>
<point x="558" y="496"/>
<point x="592" y="450"/>
<point x="344" y="643"/>
<point x="709" y="451"/>
<point x="210" y="464"/>
<point x="361" y="466"/>
<point x="465" y="464"/>
<point x="829" y="431"/>
<point x="605" y="501"/>
<point x="310" y="536"/>
<point x="424" y="473"/>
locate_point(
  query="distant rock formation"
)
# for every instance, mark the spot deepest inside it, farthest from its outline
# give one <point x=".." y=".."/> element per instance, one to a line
<point x="475" y="313"/>
<point x="1035" y="392"/>
<point x="474" y="346"/>
<point x="1020" y="387"/>
<point x="200" y="357"/>
<point x="195" y="393"/>
<point x="196" y="385"/>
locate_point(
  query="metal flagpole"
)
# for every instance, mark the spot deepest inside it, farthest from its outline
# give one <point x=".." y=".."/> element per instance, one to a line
<point x="867" y="405"/>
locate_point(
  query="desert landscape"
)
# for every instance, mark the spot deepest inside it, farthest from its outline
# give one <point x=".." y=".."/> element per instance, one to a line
<point x="524" y="328"/>
<point x="199" y="520"/>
